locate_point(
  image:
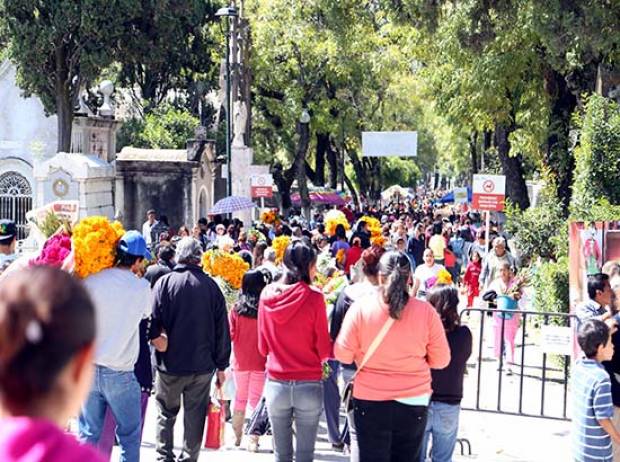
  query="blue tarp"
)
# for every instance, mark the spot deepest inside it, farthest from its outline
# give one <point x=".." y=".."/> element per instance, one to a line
<point x="450" y="197"/>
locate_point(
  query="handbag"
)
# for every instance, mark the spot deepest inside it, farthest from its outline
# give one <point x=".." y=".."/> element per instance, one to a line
<point x="259" y="421"/>
<point x="347" y="393"/>
<point x="216" y="422"/>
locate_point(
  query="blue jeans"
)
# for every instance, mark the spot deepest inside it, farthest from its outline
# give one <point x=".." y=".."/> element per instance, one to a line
<point x="121" y="392"/>
<point x="443" y="424"/>
<point x="294" y="401"/>
<point x="332" y="403"/>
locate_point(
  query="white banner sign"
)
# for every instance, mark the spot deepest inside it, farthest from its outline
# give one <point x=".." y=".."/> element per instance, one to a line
<point x="385" y="144"/>
<point x="460" y="195"/>
<point x="556" y="340"/>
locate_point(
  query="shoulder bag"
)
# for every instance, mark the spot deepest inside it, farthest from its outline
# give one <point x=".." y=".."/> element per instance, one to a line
<point x="347" y="393"/>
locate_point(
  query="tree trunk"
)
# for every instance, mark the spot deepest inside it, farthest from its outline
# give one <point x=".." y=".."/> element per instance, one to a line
<point x="64" y="106"/>
<point x="322" y="146"/>
<point x="473" y="153"/>
<point x="283" y="180"/>
<point x="487" y="140"/>
<point x="512" y="167"/>
<point x="351" y="187"/>
<point x="332" y="160"/>
<point x="300" y="168"/>
<point x="360" y="173"/>
<point x="558" y="158"/>
<point x="64" y="112"/>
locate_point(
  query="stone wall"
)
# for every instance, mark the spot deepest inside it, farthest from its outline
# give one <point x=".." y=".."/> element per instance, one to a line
<point x="164" y="183"/>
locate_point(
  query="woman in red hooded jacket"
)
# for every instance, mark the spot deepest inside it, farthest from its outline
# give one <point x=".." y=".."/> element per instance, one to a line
<point x="293" y="334"/>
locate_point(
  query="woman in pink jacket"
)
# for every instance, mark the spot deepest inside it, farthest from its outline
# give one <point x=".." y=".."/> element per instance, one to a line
<point x="392" y="391"/>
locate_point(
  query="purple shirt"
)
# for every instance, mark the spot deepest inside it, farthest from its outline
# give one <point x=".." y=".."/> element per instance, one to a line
<point x="26" y="439"/>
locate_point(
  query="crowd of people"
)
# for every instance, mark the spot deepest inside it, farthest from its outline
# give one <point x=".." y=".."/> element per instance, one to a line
<point x="393" y="331"/>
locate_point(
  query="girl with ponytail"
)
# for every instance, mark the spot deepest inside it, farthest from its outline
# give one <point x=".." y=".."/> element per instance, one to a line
<point x="392" y="388"/>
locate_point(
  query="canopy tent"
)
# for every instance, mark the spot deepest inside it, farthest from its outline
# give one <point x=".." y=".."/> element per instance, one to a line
<point x="449" y="198"/>
<point x="396" y="190"/>
<point x="323" y="197"/>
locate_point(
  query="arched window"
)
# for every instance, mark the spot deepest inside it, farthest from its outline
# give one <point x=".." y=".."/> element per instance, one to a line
<point x="15" y="200"/>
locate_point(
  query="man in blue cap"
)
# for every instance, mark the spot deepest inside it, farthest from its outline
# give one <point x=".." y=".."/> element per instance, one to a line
<point x="122" y="300"/>
<point x="8" y="240"/>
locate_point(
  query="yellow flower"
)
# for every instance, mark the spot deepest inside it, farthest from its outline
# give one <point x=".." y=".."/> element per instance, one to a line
<point x="280" y="244"/>
<point x="94" y="243"/>
<point x="230" y="267"/>
<point x="444" y="277"/>
<point x="333" y="218"/>
<point x="375" y="229"/>
<point x="340" y="256"/>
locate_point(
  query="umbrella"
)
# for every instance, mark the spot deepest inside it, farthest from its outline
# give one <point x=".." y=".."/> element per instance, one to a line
<point x="231" y="204"/>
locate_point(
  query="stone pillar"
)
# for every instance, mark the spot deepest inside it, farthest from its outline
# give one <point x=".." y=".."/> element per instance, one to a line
<point x="84" y="178"/>
<point x="96" y="136"/>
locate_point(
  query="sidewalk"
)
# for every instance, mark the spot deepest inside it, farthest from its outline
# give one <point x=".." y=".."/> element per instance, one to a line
<point x="493" y="438"/>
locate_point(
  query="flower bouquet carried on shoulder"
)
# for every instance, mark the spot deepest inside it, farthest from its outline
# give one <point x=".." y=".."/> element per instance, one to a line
<point x="228" y="270"/>
<point x="94" y="242"/>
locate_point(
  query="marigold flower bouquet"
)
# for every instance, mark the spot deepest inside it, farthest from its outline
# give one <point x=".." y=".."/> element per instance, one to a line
<point x="270" y="217"/>
<point x="375" y="229"/>
<point x="333" y="218"/>
<point x="94" y="242"/>
<point x="280" y="244"/>
<point x="230" y="267"/>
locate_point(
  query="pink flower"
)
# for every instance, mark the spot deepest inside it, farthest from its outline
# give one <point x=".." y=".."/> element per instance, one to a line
<point x="54" y="252"/>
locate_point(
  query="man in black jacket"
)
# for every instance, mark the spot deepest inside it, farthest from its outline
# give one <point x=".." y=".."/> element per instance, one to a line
<point x="189" y="307"/>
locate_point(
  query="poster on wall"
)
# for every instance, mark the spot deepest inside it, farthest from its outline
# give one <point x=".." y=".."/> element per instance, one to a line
<point x="593" y="248"/>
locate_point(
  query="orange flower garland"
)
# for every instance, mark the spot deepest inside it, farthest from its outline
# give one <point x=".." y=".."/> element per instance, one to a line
<point x="280" y="244"/>
<point x="333" y="218"/>
<point x="269" y="217"/>
<point x="340" y="256"/>
<point x="230" y="267"/>
<point x="94" y="243"/>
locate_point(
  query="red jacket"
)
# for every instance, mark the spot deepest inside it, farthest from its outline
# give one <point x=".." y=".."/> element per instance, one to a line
<point x="292" y="331"/>
<point x="353" y="255"/>
<point x="244" y="335"/>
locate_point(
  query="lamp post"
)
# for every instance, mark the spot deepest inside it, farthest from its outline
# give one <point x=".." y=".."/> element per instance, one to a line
<point x="228" y="12"/>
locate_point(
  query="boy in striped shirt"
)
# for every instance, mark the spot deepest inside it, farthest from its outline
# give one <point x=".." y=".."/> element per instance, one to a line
<point x="593" y="409"/>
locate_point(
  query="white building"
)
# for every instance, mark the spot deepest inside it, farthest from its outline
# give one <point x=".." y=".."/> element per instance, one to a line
<point x="27" y="135"/>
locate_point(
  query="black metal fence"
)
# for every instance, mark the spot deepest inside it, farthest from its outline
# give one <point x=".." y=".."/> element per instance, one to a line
<point x="561" y="370"/>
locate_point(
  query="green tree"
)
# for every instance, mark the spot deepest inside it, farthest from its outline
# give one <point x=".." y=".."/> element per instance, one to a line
<point x="60" y="45"/>
<point x="164" y="128"/>
<point x="168" y="48"/>
<point x="597" y="169"/>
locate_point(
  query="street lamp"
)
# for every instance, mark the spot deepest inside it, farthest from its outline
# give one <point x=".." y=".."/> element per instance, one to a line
<point x="228" y="12"/>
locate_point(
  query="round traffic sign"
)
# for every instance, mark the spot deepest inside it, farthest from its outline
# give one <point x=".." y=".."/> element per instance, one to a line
<point x="488" y="186"/>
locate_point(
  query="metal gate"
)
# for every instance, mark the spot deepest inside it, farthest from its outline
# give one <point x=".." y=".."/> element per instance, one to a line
<point x="15" y="200"/>
<point x="545" y="385"/>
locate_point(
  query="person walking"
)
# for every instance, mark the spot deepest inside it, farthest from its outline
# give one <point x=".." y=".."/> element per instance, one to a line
<point x="117" y="347"/>
<point x="471" y="278"/>
<point x="396" y="340"/>
<point x="248" y="363"/>
<point x="147" y="227"/>
<point x="447" y="384"/>
<point x="369" y="283"/>
<point x="424" y="274"/>
<point x="163" y="266"/>
<point x="292" y="333"/>
<point x="497" y="257"/>
<point x="189" y="307"/>
<point x="47" y="336"/>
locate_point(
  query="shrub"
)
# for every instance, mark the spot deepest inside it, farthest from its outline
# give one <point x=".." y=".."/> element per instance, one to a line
<point x="165" y="128"/>
<point x="550" y="282"/>
<point x="597" y="159"/>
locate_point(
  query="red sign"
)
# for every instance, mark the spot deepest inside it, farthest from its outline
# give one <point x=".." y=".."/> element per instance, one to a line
<point x="493" y="202"/>
<point x="489" y="192"/>
<point x="262" y="191"/>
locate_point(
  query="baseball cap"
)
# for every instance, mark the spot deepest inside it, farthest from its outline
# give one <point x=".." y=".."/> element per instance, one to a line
<point x="134" y="244"/>
<point x="8" y="230"/>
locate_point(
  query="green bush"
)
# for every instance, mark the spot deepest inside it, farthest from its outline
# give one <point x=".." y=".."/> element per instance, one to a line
<point x="597" y="160"/>
<point x="541" y="231"/>
<point x="165" y="128"/>
<point x="550" y="282"/>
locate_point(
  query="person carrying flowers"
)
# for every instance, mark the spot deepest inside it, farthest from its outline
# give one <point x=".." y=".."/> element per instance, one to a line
<point x="117" y="347"/>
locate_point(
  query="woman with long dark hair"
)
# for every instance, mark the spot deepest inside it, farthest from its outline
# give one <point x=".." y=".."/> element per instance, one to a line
<point x="47" y="334"/>
<point x="445" y="406"/>
<point x="248" y="363"/>
<point x="292" y="333"/>
<point x="392" y="387"/>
